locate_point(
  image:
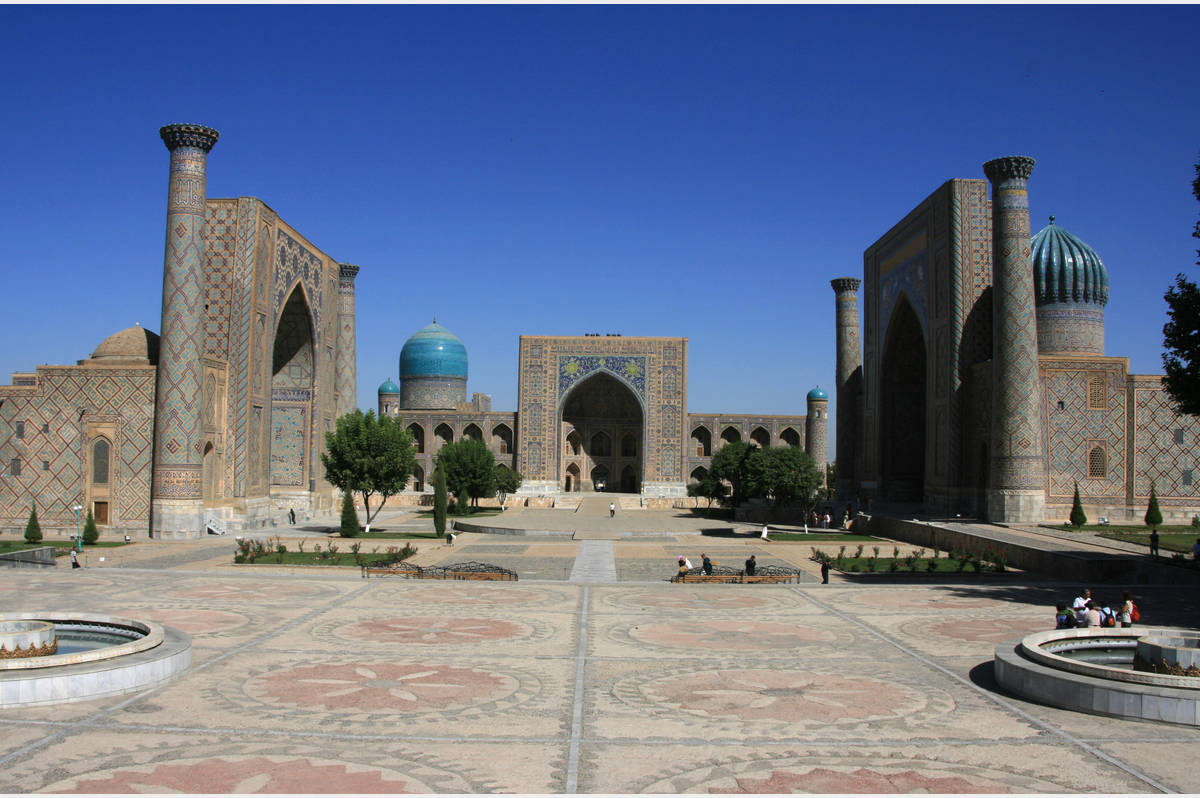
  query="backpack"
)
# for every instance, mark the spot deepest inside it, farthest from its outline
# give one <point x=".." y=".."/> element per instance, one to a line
<point x="1108" y="620"/>
<point x="1134" y="615"/>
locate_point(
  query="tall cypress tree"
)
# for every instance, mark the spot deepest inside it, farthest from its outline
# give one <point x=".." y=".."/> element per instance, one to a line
<point x="90" y="533"/>
<point x="350" y="527"/>
<point x="1078" y="516"/>
<point x="33" y="530"/>
<point x="439" y="501"/>
<point x="1153" y="514"/>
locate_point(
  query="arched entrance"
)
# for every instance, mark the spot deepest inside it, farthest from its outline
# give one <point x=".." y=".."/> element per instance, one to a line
<point x="291" y="394"/>
<point x="902" y="407"/>
<point x="599" y="412"/>
<point x="572" y="483"/>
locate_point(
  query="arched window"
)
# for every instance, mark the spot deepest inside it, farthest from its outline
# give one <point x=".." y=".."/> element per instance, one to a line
<point x="473" y="431"/>
<point x="702" y="440"/>
<point x="418" y="436"/>
<point x="761" y="437"/>
<point x="502" y="438"/>
<point x="1097" y="462"/>
<point x="418" y="479"/>
<point x="628" y="446"/>
<point x="790" y="437"/>
<point x="574" y="443"/>
<point x="601" y="445"/>
<point x="444" y="432"/>
<point x="731" y="435"/>
<point x="100" y="454"/>
<point x="699" y="474"/>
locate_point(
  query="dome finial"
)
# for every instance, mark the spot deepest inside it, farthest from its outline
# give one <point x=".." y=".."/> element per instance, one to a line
<point x="1051" y="218"/>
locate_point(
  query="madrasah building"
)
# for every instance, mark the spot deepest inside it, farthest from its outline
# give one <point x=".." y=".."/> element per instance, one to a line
<point x="970" y="387"/>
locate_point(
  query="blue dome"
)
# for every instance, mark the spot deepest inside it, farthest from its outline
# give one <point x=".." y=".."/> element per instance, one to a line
<point x="433" y="351"/>
<point x="1066" y="270"/>
<point x="389" y="387"/>
<point x="817" y="393"/>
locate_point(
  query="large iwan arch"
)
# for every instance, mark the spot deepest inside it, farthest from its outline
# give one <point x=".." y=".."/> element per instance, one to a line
<point x="604" y="412"/>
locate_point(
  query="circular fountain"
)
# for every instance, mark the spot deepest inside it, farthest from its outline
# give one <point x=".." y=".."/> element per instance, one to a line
<point x="1093" y="670"/>
<point x="52" y="657"/>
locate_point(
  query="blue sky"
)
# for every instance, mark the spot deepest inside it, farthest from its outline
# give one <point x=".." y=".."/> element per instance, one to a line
<point x="644" y="170"/>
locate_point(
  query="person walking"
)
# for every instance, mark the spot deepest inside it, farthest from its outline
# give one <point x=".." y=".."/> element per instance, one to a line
<point x="612" y="509"/>
<point x="1153" y="542"/>
<point x="824" y="572"/>
<point x="292" y="516"/>
<point x="764" y="533"/>
<point x="75" y="559"/>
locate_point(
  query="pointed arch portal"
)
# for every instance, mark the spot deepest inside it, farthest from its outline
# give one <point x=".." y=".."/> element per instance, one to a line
<point x="292" y="372"/>
<point x="902" y="405"/>
<point x="603" y="410"/>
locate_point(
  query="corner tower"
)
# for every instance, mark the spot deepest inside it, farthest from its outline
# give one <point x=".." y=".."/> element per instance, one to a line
<point x="1016" y="487"/>
<point x="848" y="381"/>
<point x="176" y="497"/>
<point x="816" y="430"/>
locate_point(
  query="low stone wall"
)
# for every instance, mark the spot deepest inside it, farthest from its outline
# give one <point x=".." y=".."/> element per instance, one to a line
<point x="40" y="557"/>
<point x="465" y="526"/>
<point x="1085" y="567"/>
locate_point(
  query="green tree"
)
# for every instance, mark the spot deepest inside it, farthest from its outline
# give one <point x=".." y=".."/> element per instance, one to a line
<point x="830" y="477"/>
<point x="735" y="463"/>
<point x="350" y="527"/>
<point x="1153" y="517"/>
<point x="1181" y="335"/>
<point x="439" y="501"/>
<point x="507" y="481"/>
<point x="788" y="475"/>
<point x="708" y="487"/>
<point x="90" y="533"/>
<point x="33" y="530"/>
<point x="1078" y="516"/>
<point x="469" y="467"/>
<point x="368" y="456"/>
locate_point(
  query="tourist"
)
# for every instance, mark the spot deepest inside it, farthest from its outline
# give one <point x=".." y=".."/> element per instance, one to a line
<point x="612" y="509"/>
<point x="292" y="516"/>
<point x="1153" y="542"/>
<point x="1196" y="550"/>
<point x="1063" y="618"/>
<point x="827" y="520"/>
<point x="705" y="564"/>
<point x="1126" y="610"/>
<point x="824" y="572"/>
<point x="1092" y="616"/>
<point x="751" y="564"/>
<point x="1080" y="607"/>
<point x="1107" y="616"/>
<point x="683" y="569"/>
<point x="764" y="533"/>
<point x="74" y="559"/>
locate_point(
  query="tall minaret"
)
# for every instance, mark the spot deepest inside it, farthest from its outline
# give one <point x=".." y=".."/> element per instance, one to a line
<point x="1016" y="490"/>
<point x="848" y="382"/>
<point x="176" y="499"/>
<point x="347" y="369"/>
<point x="816" y="430"/>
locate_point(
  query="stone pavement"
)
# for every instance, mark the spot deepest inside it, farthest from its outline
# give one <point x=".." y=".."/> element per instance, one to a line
<point x="304" y="680"/>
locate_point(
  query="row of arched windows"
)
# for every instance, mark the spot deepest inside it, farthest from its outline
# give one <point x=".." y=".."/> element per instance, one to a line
<point x="501" y="441"/>
<point x="702" y="438"/>
<point x="601" y="444"/>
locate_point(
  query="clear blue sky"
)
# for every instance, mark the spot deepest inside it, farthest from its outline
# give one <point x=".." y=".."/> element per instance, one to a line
<point x="675" y="171"/>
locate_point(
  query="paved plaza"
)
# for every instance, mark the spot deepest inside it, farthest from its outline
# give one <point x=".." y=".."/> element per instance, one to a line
<point x="590" y="675"/>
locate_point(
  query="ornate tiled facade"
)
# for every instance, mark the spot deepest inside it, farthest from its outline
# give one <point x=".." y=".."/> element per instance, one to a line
<point x="996" y="407"/>
<point x="257" y="353"/>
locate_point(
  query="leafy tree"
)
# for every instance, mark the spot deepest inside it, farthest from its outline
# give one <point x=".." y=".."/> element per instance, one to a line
<point x="1078" y="516"/>
<point x="707" y="488"/>
<point x="90" y="533"/>
<point x="350" y="527"/>
<point x="507" y="481"/>
<point x="439" y="501"/>
<point x="1181" y="335"/>
<point x="830" y="477"/>
<point x="789" y="474"/>
<point x="1153" y="514"/>
<point x="33" y="530"/>
<point x="469" y="467"/>
<point x="734" y="463"/>
<point x="368" y="456"/>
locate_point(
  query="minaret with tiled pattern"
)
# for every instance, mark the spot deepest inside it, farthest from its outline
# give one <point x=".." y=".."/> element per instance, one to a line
<point x="847" y="381"/>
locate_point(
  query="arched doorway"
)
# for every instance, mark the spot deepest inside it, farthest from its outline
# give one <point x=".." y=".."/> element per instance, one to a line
<point x="572" y="483"/>
<point x="418" y="479"/>
<point x="418" y="436"/>
<point x="291" y="394"/>
<point x="605" y="419"/>
<point x="702" y="440"/>
<point x="902" y="407"/>
<point x="473" y="431"/>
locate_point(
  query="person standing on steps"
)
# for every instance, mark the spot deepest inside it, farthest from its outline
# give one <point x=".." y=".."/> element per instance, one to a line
<point x="292" y="516"/>
<point x="751" y="564"/>
<point x="612" y="509"/>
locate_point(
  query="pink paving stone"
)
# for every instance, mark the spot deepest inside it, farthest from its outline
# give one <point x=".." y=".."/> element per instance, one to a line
<point x="249" y="775"/>
<point x="691" y="601"/>
<point x="994" y="630"/>
<point x="917" y="599"/>
<point x="781" y="695"/>
<point x="425" y="630"/>
<point x="859" y="781"/>
<point x="381" y="686"/>
<point x="248" y="591"/>
<point x="458" y="597"/>
<point x="195" y="622"/>
<point x="741" y="635"/>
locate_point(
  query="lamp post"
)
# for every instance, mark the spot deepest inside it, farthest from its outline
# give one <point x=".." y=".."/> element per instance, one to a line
<point x="78" y="529"/>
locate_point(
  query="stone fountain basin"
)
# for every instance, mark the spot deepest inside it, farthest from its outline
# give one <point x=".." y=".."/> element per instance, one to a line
<point x="153" y="655"/>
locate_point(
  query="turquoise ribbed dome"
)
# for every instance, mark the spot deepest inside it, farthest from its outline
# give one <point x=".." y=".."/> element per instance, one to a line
<point x="1067" y="270"/>
<point x="817" y="393"/>
<point x="389" y="387"/>
<point x="433" y="351"/>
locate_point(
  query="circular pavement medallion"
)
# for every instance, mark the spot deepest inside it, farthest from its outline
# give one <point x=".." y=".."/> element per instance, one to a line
<point x="381" y="687"/>
<point x="984" y="630"/>
<point x="195" y="622"/>
<point x="255" y="774"/>
<point x="250" y="591"/>
<point x="480" y="595"/>
<point x="917" y="598"/>
<point x="435" y="631"/>
<point x="740" y="635"/>
<point x="684" y="598"/>
<point x="782" y="695"/>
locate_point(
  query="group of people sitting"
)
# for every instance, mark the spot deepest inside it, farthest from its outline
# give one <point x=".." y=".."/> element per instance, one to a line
<point x="706" y="565"/>
<point x="1086" y="611"/>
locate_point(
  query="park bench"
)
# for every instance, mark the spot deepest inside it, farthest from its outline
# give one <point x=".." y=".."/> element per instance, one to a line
<point x="471" y="571"/>
<point x="408" y="571"/>
<point x="725" y="575"/>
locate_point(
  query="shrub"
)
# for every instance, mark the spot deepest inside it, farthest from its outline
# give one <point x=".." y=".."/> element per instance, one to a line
<point x="350" y="527"/>
<point x="854" y="568"/>
<point x="1078" y="516"/>
<point x="355" y="548"/>
<point x="90" y="533"/>
<point x="33" y="530"/>
<point x="931" y="565"/>
<point x="871" y="564"/>
<point x="1195" y="521"/>
<point x="876" y="550"/>
<point x="859" y="551"/>
<point x="1153" y="517"/>
<point x="841" y="552"/>
<point x="895" y="551"/>
<point x="894" y="565"/>
<point x="910" y="562"/>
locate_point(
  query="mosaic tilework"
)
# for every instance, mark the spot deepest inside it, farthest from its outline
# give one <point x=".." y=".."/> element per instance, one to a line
<point x="237" y="476"/>
<point x="124" y="397"/>
<point x="629" y="370"/>
<point x="289" y="426"/>
<point x="849" y="360"/>
<point x="1074" y="430"/>
<point x="1164" y="447"/>
<point x="219" y="245"/>
<point x="346" y="380"/>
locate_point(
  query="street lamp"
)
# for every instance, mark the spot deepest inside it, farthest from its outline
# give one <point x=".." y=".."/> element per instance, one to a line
<point x="78" y="529"/>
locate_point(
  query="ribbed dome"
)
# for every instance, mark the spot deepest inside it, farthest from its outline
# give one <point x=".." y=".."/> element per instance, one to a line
<point x="389" y="387"/>
<point x="817" y="393"/>
<point x="135" y="344"/>
<point x="1067" y="270"/>
<point x="433" y="351"/>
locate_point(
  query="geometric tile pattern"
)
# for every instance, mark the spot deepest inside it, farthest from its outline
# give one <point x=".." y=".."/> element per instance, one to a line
<point x="289" y="427"/>
<point x="346" y="381"/>
<point x="1073" y="431"/>
<point x="237" y="477"/>
<point x="218" y="241"/>
<point x="1165" y="446"/>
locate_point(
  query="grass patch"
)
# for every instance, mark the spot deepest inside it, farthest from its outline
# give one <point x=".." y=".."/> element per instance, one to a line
<point x="1167" y="541"/>
<point x="397" y="535"/>
<point x="883" y="565"/>
<point x="274" y="552"/>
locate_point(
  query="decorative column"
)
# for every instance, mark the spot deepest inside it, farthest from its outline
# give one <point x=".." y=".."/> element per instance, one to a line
<point x="346" y="377"/>
<point x="1016" y="490"/>
<point x="816" y="430"/>
<point x="176" y="496"/>
<point x="848" y="382"/>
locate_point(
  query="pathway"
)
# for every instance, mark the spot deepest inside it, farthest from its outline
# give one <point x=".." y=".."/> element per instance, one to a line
<point x="594" y="562"/>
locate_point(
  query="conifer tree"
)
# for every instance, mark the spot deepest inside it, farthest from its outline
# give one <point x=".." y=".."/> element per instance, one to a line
<point x="350" y="527"/>
<point x="439" y="501"/>
<point x="1078" y="516"/>
<point x="33" y="530"/>
<point x="1153" y="514"/>
<point x="90" y="533"/>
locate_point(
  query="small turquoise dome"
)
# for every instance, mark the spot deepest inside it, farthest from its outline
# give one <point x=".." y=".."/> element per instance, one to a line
<point x="433" y="351"/>
<point x="389" y="387"/>
<point x="1067" y="270"/>
<point x="817" y="393"/>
